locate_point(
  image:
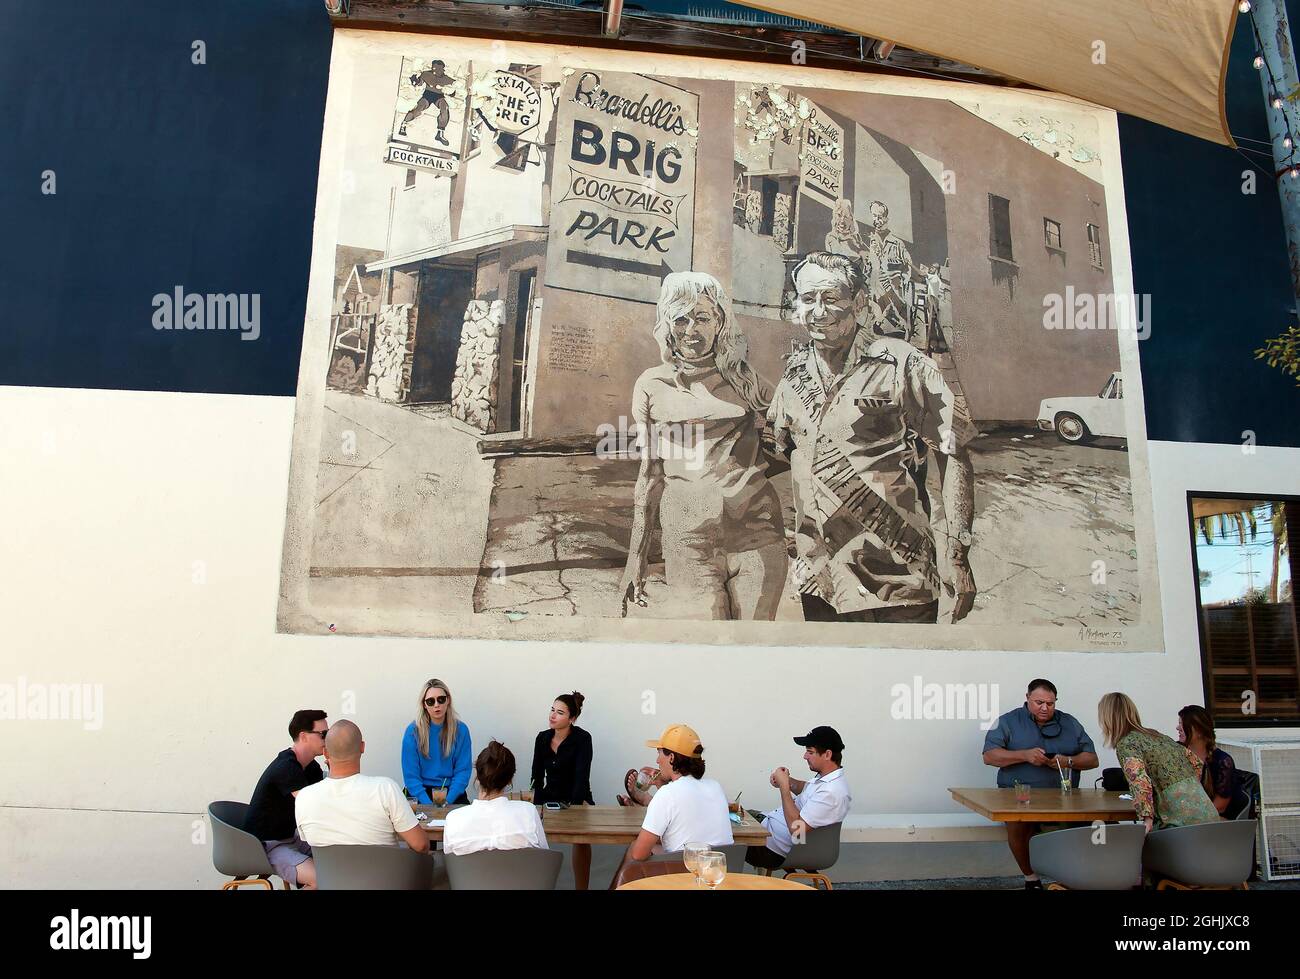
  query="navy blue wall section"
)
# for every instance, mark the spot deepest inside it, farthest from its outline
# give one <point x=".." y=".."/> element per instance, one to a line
<point x="168" y="173"/>
<point x="203" y="176"/>
<point x="1214" y="261"/>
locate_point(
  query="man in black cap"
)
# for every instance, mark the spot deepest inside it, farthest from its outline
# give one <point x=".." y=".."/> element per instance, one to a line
<point x="820" y="801"/>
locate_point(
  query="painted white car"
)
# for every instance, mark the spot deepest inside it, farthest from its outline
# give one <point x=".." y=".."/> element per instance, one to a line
<point x="1079" y="419"/>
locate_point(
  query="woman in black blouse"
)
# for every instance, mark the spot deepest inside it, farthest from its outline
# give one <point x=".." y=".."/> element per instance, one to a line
<point x="562" y="770"/>
<point x="1219" y="774"/>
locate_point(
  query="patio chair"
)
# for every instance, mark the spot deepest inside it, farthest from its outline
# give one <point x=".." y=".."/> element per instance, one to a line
<point x="527" y="869"/>
<point x="1076" y="863"/>
<point x="807" y="860"/>
<point x="1214" y="856"/>
<point x="372" y="868"/>
<point x="236" y="852"/>
<point x="665" y="863"/>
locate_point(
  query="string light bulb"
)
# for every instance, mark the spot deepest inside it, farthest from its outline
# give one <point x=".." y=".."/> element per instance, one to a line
<point x="1244" y="6"/>
<point x="1277" y="102"/>
<point x="1286" y="141"/>
<point x="1259" y="62"/>
<point x="1294" y="172"/>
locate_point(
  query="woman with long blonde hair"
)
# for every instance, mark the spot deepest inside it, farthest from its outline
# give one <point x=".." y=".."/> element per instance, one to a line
<point x="1164" y="777"/>
<point x="436" y="749"/>
<point x="700" y="414"/>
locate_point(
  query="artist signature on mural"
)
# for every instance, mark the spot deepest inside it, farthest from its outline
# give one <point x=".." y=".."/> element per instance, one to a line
<point x="1101" y="637"/>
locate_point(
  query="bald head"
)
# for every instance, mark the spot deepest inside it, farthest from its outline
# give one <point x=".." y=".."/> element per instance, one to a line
<point x="343" y="742"/>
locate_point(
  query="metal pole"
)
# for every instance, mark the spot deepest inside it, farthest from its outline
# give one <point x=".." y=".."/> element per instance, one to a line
<point x="1279" y="79"/>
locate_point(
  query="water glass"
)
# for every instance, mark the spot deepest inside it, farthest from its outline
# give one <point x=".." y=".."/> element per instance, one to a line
<point x="713" y="868"/>
<point x="691" y="854"/>
<point x="1022" y="793"/>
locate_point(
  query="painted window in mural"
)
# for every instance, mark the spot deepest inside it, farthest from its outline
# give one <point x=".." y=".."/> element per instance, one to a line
<point x="1245" y="573"/>
<point x="1051" y="233"/>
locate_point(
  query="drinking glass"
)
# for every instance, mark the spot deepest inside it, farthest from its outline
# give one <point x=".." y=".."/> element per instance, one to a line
<point x="1022" y="793"/>
<point x="713" y="868"/>
<point x="691" y="854"/>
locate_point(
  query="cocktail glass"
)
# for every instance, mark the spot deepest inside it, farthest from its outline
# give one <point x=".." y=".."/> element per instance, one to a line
<point x="713" y="868"/>
<point x="691" y="854"/>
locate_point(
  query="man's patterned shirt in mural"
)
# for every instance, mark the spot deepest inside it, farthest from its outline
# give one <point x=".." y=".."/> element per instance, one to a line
<point x="861" y="442"/>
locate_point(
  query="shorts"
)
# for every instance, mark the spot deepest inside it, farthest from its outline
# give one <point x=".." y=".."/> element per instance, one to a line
<point x="285" y="855"/>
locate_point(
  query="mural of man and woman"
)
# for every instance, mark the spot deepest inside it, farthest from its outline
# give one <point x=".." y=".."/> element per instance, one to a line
<point x="857" y="414"/>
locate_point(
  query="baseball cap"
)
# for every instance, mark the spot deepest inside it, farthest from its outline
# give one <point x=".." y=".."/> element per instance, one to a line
<point x="679" y="739"/>
<point x="826" y="738"/>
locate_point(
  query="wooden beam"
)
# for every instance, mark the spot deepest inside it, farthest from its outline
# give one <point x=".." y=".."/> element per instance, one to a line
<point x="822" y="48"/>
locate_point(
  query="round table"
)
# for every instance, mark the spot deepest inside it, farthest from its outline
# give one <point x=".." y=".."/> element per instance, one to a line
<point x="732" y="882"/>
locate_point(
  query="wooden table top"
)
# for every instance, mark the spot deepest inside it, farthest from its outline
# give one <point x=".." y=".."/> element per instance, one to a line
<point x="1046" y="805"/>
<point x="601" y="824"/>
<point x="732" y="882"/>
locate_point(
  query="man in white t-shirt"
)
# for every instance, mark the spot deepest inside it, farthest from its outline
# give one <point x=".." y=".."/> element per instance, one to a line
<point x="351" y="809"/>
<point x="689" y="808"/>
<point x="821" y="801"/>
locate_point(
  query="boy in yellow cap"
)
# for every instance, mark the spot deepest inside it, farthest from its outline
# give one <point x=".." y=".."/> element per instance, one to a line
<point x="688" y="808"/>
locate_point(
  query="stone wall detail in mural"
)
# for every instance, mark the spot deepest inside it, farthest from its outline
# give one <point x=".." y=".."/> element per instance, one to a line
<point x="474" y="387"/>
<point x="390" y="360"/>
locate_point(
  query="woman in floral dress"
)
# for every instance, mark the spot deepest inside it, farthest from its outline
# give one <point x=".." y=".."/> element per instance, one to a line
<point x="1164" y="777"/>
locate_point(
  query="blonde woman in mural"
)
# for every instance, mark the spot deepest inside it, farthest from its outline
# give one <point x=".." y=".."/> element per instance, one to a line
<point x="703" y="475"/>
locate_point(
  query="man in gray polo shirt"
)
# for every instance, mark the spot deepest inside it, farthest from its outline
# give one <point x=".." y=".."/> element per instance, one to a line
<point x="1032" y="745"/>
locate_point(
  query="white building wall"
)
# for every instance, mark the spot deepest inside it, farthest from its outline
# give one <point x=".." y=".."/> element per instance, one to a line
<point x="142" y="552"/>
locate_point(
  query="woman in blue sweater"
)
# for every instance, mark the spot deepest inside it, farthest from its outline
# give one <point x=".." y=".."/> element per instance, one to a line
<point x="436" y="751"/>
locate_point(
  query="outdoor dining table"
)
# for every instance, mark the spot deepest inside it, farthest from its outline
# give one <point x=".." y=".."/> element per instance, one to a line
<point x="600" y="824"/>
<point x="732" y="882"/>
<point x="1046" y="805"/>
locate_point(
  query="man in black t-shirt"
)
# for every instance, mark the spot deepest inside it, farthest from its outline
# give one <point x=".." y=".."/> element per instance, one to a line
<point x="270" y="812"/>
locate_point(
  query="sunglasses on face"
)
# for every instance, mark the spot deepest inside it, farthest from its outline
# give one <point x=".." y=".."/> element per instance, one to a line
<point x="320" y="733"/>
<point x="440" y="699"/>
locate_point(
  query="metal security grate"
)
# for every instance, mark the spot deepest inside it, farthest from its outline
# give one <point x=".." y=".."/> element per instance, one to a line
<point x="1282" y="845"/>
<point x="1279" y="776"/>
<point x="1277" y="762"/>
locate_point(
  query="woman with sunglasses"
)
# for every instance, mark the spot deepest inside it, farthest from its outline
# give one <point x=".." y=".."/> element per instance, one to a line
<point x="436" y="750"/>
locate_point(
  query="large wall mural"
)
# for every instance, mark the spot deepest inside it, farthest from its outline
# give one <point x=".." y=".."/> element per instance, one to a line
<point x="607" y="346"/>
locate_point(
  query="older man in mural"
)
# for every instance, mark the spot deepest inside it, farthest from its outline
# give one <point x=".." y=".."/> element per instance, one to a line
<point x="862" y="413"/>
<point x="890" y="277"/>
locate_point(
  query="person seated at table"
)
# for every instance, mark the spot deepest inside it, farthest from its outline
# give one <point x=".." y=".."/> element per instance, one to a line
<point x="1219" y="775"/>
<point x="493" y="821"/>
<point x="561" y="770"/>
<point x="436" y="750"/>
<point x="1163" y="775"/>
<point x="689" y="808"/>
<point x="270" y="812"/>
<point x="1036" y="745"/>
<point x="821" y="801"/>
<point x="351" y="809"/>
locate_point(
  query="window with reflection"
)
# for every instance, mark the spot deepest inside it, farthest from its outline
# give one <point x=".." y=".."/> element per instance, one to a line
<point x="1245" y="571"/>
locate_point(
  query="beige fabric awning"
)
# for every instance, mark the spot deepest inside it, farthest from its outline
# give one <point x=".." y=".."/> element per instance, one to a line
<point x="1165" y="60"/>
